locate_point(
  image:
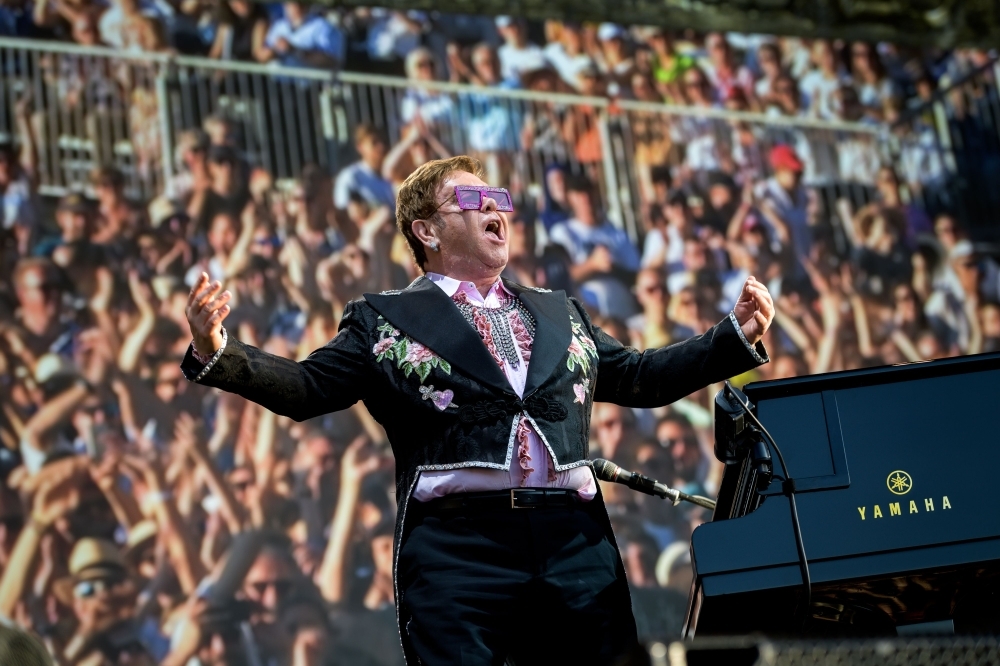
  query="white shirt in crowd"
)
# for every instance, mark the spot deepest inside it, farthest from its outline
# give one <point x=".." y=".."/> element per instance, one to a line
<point x="516" y="61"/>
<point x="17" y="206"/>
<point x="112" y="22"/>
<point x="390" y="36"/>
<point x="820" y="91"/>
<point x="568" y="67"/>
<point x="315" y="33"/>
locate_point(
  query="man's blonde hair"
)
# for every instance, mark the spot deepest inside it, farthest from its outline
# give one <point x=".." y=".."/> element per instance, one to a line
<point x="417" y="198"/>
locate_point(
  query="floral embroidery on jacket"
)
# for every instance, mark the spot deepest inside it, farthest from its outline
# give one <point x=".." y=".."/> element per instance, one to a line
<point x="580" y="390"/>
<point x="409" y="355"/>
<point x="581" y="350"/>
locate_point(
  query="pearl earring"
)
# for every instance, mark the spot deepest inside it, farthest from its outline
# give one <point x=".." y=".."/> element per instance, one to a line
<point x="434" y="246"/>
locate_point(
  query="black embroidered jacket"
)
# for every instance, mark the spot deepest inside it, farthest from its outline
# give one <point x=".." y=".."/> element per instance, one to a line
<point x="426" y="376"/>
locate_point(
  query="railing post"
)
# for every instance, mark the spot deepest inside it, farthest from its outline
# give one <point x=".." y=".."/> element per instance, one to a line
<point x="166" y="133"/>
<point x="614" y="211"/>
<point x="329" y="122"/>
<point x="944" y="136"/>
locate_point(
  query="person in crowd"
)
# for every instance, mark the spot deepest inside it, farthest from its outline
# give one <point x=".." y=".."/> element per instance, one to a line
<point x="392" y="36"/>
<point x="121" y="24"/>
<point x="595" y="245"/>
<point x="19" y="214"/>
<point x="117" y="219"/>
<point x="301" y="38"/>
<point x="564" y="51"/>
<point x="616" y="62"/>
<point x="436" y="109"/>
<point x="224" y="190"/>
<point x="873" y="85"/>
<point x="821" y="84"/>
<point x="724" y="72"/>
<point x="364" y="178"/>
<point x="784" y="201"/>
<point x="689" y="466"/>
<point x="667" y="65"/>
<point x="517" y="55"/>
<point x="242" y="29"/>
<point x="769" y="61"/>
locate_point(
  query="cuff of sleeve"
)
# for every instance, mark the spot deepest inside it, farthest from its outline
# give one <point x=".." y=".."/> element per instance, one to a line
<point x="215" y="357"/>
<point x="746" y="343"/>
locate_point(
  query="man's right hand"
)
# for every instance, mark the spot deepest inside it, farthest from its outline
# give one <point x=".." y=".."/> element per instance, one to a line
<point x="206" y="309"/>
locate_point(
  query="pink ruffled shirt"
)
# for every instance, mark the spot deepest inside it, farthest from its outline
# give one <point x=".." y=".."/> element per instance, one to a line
<point x="531" y="465"/>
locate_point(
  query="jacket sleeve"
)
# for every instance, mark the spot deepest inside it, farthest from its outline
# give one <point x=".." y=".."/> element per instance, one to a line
<point x="658" y="377"/>
<point x="332" y="378"/>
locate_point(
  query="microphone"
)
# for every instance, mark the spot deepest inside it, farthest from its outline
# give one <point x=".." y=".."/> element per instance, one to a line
<point x="608" y="471"/>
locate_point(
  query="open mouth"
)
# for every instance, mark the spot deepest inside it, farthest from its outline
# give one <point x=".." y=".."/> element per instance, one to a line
<point x="493" y="230"/>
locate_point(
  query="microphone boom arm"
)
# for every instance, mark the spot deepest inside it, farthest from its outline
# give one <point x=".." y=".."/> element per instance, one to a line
<point x="609" y="471"/>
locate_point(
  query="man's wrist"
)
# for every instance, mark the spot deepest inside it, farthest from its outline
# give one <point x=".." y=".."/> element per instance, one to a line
<point x="198" y="356"/>
<point x="752" y="348"/>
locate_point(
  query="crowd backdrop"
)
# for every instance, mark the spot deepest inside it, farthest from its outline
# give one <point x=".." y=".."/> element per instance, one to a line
<point x="145" y="519"/>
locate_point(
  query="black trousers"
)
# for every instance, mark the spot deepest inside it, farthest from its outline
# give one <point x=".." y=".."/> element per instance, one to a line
<point x="540" y="585"/>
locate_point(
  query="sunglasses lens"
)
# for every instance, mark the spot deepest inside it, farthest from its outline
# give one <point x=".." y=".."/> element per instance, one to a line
<point x="468" y="199"/>
<point x="503" y="201"/>
<point x="84" y="589"/>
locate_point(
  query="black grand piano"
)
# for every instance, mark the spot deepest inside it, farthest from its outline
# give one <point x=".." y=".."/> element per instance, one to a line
<point x="897" y="485"/>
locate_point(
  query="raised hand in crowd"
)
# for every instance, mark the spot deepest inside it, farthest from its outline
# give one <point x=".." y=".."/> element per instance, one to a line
<point x="357" y="463"/>
<point x="56" y="492"/>
<point x="190" y="441"/>
<point x="158" y="504"/>
<point x="131" y="348"/>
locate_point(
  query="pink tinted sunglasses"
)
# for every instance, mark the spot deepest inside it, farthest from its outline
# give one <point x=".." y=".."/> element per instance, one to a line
<point x="470" y="197"/>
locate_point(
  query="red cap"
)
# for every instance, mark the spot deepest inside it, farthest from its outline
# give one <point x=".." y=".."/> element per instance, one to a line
<point x="783" y="157"/>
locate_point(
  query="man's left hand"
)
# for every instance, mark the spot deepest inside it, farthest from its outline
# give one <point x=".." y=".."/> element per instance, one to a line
<point x="754" y="310"/>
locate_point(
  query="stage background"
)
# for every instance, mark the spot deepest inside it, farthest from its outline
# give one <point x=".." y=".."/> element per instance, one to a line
<point x="653" y="170"/>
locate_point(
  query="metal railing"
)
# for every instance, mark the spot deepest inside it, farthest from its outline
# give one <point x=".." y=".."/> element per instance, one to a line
<point x="948" y="149"/>
<point x="94" y="106"/>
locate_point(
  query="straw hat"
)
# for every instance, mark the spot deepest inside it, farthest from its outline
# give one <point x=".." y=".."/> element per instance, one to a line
<point x="91" y="559"/>
<point x="141" y="533"/>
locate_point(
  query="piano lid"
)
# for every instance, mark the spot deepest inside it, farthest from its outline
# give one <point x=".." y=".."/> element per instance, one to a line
<point x="898" y="467"/>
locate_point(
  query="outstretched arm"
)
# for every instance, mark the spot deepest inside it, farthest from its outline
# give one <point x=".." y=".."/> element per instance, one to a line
<point x="658" y="377"/>
<point x="332" y="378"/>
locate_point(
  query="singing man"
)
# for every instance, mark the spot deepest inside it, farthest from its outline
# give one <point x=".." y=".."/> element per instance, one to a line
<point x="484" y="387"/>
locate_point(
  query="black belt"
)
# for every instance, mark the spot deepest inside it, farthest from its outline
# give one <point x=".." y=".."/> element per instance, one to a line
<point x="515" y="498"/>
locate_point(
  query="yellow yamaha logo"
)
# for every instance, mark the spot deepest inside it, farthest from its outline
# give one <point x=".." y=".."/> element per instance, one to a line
<point x="899" y="482"/>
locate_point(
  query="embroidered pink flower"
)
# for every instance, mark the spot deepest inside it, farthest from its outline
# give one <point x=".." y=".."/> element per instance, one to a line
<point x="383" y="345"/>
<point x="574" y="348"/>
<point x="581" y="393"/>
<point x="416" y="353"/>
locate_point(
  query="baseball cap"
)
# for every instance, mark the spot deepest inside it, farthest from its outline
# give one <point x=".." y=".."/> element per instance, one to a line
<point x="74" y="202"/>
<point x="783" y="156"/>
<point x="608" y="31"/>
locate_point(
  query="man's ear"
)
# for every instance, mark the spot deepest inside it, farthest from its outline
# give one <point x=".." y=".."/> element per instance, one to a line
<point x="425" y="231"/>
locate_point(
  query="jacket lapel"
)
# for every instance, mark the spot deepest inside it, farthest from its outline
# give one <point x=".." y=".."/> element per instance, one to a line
<point x="425" y="313"/>
<point x="552" y="332"/>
